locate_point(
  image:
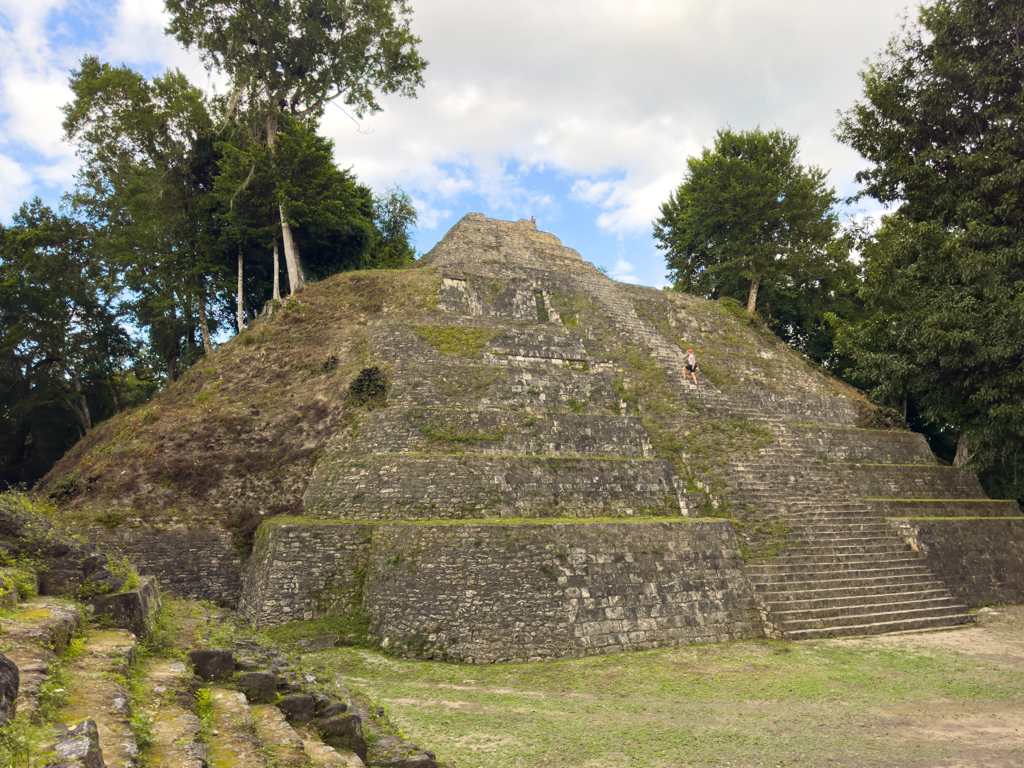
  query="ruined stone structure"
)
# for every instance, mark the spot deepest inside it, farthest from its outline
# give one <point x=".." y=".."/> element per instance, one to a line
<point x="542" y="395"/>
<point x="543" y="481"/>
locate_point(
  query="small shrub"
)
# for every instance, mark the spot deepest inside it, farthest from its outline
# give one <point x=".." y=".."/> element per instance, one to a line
<point x="65" y="488"/>
<point x="881" y="418"/>
<point x="369" y="385"/>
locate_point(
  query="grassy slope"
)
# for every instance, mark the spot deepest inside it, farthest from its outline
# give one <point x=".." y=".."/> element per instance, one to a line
<point x="242" y="427"/>
<point x="863" y="702"/>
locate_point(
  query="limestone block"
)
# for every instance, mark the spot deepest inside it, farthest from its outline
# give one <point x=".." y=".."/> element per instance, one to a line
<point x="134" y="610"/>
<point x="213" y="663"/>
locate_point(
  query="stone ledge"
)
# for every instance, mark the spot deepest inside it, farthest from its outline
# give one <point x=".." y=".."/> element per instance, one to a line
<point x="981" y="560"/>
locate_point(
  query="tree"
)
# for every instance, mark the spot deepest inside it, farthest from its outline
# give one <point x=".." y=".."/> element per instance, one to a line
<point x="292" y="57"/>
<point x="940" y="127"/>
<point x="148" y="151"/>
<point x="59" y="324"/>
<point x="394" y="216"/>
<point x="747" y="214"/>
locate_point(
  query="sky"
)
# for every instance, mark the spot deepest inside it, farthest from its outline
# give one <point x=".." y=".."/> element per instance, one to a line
<point x="581" y="113"/>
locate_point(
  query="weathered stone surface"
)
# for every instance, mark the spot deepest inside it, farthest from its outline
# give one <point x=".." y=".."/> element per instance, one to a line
<point x="298" y="707"/>
<point x="93" y="562"/>
<point x="343" y="732"/>
<point x="333" y="709"/>
<point x="133" y="610"/>
<point x="77" y="746"/>
<point x="192" y="559"/>
<point x="213" y="663"/>
<point x="9" y="682"/>
<point x="60" y="581"/>
<point x="981" y="560"/>
<point x="318" y="643"/>
<point x="258" y="687"/>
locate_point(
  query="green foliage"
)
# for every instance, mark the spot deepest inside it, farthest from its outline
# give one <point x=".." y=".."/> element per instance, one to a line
<point x="351" y="628"/>
<point x="204" y="711"/>
<point x="748" y="214"/>
<point x="939" y="125"/>
<point x="22" y="742"/>
<point x="369" y="386"/>
<point x="453" y="339"/>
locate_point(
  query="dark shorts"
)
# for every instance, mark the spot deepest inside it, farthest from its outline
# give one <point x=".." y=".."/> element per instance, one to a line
<point x="691" y="368"/>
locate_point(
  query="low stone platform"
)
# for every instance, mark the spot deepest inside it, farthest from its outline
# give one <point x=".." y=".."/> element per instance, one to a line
<point x="510" y="592"/>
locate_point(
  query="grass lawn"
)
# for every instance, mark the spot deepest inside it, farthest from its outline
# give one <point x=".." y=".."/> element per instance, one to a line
<point x="930" y="699"/>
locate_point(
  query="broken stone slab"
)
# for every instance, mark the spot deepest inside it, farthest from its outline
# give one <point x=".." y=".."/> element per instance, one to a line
<point x="298" y="708"/>
<point x="324" y="756"/>
<point x="425" y="759"/>
<point x="10" y="679"/>
<point x="93" y="562"/>
<point x="213" y="663"/>
<point x="279" y="737"/>
<point x="258" y="687"/>
<point x="318" y="643"/>
<point x="134" y="610"/>
<point x="344" y="732"/>
<point x="76" y="746"/>
<point x="334" y="708"/>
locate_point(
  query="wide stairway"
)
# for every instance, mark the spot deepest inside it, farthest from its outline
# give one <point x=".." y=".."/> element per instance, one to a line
<point x="845" y="570"/>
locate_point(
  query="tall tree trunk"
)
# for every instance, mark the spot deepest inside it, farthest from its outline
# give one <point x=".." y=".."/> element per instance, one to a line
<point x="291" y="254"/>
<point x="241" y="309"/>
<point x="277" y="274"/>
<point x="752" y="298"/>
<point x="963" y="450"/>
<point x="204" y="323"/>
<point x="80" y="406"/>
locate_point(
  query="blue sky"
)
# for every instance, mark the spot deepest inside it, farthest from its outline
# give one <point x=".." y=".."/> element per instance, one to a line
<point x="579" y="112"/>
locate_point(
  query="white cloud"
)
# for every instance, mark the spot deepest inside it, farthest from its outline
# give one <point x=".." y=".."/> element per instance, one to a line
<point x="610" y="95"/>
<point x="623" y="272"/>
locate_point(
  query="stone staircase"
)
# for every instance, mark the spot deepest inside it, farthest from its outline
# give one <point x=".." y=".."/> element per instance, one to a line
<point x="845" y="571"/>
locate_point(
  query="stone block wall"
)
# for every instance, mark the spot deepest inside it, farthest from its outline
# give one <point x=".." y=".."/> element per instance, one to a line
<point x="487" y="593"/>
<point x="910" y="481"/>
<point x="447" y="487"/>
<point x="503" y="433"/>
<point x="980" y="560"/>
<point x="304" y="571"/>
<point x="945" y="508"/>
<point x="189" y="558"/>
<point x="866" y="445"/>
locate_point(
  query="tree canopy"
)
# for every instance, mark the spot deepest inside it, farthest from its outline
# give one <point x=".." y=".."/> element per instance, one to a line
<point x="292" y="57"/>
<point x="747" y="213"/>
<point x="940" y="125"/>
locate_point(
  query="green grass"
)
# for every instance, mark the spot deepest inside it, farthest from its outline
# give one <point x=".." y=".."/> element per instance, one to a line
<point x="753" y="703"/>
<point x="454" y="340"/>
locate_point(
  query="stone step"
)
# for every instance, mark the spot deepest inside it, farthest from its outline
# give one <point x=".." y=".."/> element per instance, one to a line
<point x="835" y="566"/>
<point x="838" y="615"/>
<point x="323" y="756"/>
<point x="282" y="746"/>
<point x="176" y="729"/>
<point x="867" y="547"/>
<point x="812" y="588"/>
<point x="881" y="595"/>
<point x="34" y="636"/>
<point x="234" y="742"/>
<point x="875" y="628"/>
<point x="96" y="693"/>
<point x="823" y="575"/>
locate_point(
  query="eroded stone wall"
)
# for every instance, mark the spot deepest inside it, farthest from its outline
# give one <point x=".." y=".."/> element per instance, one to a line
<point x="487" y="593"/>
<point x="190" y="559"/>
<point x="981" y="560"/>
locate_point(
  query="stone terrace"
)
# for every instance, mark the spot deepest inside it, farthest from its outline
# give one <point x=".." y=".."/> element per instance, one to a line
<point x="542" y="392"/>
